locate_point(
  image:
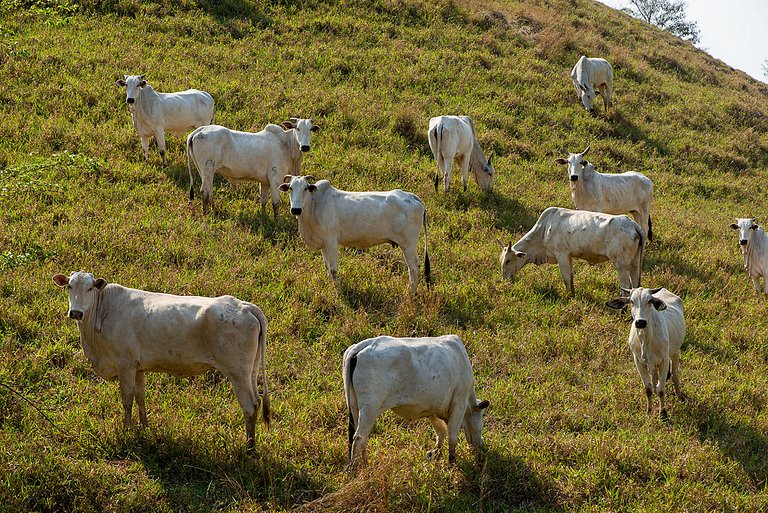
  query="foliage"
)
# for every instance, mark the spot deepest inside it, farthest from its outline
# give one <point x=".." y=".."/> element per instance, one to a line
<point x="668" y="15"/>
<point x="566" y="429"/>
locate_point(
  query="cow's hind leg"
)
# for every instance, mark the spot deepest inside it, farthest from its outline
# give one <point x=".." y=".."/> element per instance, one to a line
<point x="274" y="188"/>
<point x="206" y="189"/>
<point x="441" y="429"/>
<point x="141" y="383"/>
<point x="331" y="258"/>
<point x="365" y="419"/>
<point x="127" y="378"/>
<point x="160" y="138"/>
<point x="675" y="367"/>
<point x="263" y="196"/>
<point x="566" y="271"/>
<point x="145" y="148"/>
<point x="249" y="402"/>
<point x="412" y="260"/>
<point x="455" y="421"/>
<point x="465" y="171"/>
<point x="625" y="272"/>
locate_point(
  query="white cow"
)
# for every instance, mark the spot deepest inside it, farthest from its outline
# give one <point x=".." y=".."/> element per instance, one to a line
<point x="453" y="137"/>
<point x="415" y="378"/>
<point x="754" y="248"/>
<point x="561" y="234"/>
<point x="621" y="193"/>
<point x="127" y="332"/>
<point x="591" y="76"/>
<point x="154" y="113"/>
<point x="655" y="338"/>
<point x="265" y="156"/>
<point x="329" y="217"/>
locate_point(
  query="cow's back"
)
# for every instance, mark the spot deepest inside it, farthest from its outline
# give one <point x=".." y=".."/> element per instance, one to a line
<point x="185" y="110"/>
<point x="457" y="135"/>
<point x="673" y="319"/>
<point x="593" y="236"/>
<point x="237" y="155"/>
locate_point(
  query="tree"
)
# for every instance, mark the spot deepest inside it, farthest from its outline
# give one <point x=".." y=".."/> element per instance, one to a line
<point x="765" y="67"/>
<point x="668" y="15"/>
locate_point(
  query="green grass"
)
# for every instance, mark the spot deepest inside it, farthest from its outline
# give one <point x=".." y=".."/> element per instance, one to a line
<point x="566" y="430"/>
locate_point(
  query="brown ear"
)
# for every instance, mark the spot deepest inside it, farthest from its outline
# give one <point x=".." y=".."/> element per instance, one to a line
<point x="483" y="404"/>
<point x="287" y="125"/>
<point x="60" y="280"/>
<point x="100" y="283"/>
<point x="311" y="187"/>
<point x="658" y="304"/>
<point x="561" y="161"/>
<point x="315" y="128"/>
<point x="734" y="226"/>
<point x="284" y="187"/>
<point x="618" y="303"/>
<point x="120" y="83"/>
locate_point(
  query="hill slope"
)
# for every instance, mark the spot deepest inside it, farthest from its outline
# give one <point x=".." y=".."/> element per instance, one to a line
<point x="566" y="429"/>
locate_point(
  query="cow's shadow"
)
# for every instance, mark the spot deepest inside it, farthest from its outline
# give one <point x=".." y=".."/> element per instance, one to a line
<point x="509" y="213"/>
<point x="190" y="473"/>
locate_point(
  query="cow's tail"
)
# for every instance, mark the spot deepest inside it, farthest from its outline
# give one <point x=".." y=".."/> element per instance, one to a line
<point x="438" y="133"/>
<point x="351" y="397"/>
<point x="190" y="159"/>
<point x="427" y="266"/>
<point x="261" y="356"/>
<point x="650" y="228"/>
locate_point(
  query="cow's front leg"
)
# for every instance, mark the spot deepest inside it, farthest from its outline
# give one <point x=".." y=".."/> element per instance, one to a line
<point x="331" y="258"/>
<point x="455" y="421"/>
<point x="263" y="197"/>
<point x="441" y="429"/>
<point x="127" y="378"/>
<point x="160" y="138"/>
<point x="661" y="388"/>
<point x="645" y="376"/>
<point x="465" y="171"/>
<point x="141" y="383"/>
<point x="625" y="277"/>
<point x="145" y="147"/>
<point x="275" y="190"/>
<point x="566" y="271"/>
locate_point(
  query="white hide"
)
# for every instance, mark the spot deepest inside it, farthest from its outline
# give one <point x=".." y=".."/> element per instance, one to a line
<point x="753" y="242"/>
<point x="561" y="234"/>
<point x="415" y="378"/>
<point x="591" y="76"/>
<point x="155" y="114"/>
<point x="453" y="138"/>
<point x="127" y="332"/>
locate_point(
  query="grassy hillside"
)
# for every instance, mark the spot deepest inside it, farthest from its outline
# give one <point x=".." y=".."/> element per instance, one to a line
<point x="567" y="428"/>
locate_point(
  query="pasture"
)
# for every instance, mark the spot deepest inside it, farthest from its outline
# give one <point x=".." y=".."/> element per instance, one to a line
<point x="566" y="429"/>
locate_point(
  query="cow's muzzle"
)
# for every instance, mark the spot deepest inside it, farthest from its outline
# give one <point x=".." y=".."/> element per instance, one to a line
<point x="305" y="148"/>
<point x="129" y="100"/>
<point x="574" y="178"/>
<point x="295" y="211"/>
<point x="641" y="323"/>
<point x="743" y="242"/>
<point x="76" y="315"/>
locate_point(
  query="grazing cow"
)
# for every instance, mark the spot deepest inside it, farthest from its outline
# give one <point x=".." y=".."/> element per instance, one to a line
<point x="329" y="217"/>
<point x="127" y="332"/>
<point x="453" y="137"/>
<point x="415" y="378"/>
<point x="591" y="76"/>
<point x="154" y="113"/>
<point x="561" y="234"/>
<point x="754" y="248"/>
<point x="622" y="193"/>
<point x="265" y="156"/>
<point x="657" y="332"/>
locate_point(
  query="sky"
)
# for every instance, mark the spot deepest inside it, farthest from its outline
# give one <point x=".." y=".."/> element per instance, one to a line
<point x="734" y="31"/>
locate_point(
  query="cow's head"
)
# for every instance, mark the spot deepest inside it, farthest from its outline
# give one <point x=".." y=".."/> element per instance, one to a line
<point x="642" y="301"/>
<point x="304" y="129"/>
<point x="746" y="227"/>
<point x="83" y="289"/>
<point x="133" y="85"/>
<point x="576" y="164"/>
<point x="485" y="177"/>
<point x="299" y="187"/>
<point x="473" y="423"/>
<point x="511" y="261"/>
<point x="588" y="97"/>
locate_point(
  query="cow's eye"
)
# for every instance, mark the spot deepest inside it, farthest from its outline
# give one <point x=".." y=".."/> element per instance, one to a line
<point x="90" y="289"/>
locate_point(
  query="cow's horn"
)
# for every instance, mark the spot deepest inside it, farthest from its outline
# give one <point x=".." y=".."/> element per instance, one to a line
<point x="294" y="120"/>
<point x="654" y="291"/>
<point x="309" y="177"/>
<point x="585" y="151"/>
<point x="628" y="291"/>
<point x="287" y="178"/>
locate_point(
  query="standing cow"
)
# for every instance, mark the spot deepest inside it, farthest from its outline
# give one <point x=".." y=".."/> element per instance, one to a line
<point x="657" y="333"/>
<point x="415" y="378"/>
<point x="329" y="217"/>
<point x="754" y="248"/>
<point x="265" y="156"/>
<point x="591" y="76"/>
<point x="561" y="234"/>
<point x="621" y="193"/>
<point x="453" y="137"/>
<point x="127" y="332"/>
<point x="154" y="113"/>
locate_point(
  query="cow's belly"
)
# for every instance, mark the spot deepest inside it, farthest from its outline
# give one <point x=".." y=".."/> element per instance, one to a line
<point x="176" y="368"/>
<point x="415" y="411"/>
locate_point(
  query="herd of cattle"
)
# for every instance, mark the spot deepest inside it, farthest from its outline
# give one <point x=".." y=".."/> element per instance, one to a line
<point x="127" y="332"/>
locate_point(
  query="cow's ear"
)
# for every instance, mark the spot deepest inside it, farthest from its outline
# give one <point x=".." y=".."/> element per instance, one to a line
<point x="60" y="280"/>
<point x="658" y="304"/>
<point x="287" y="125"/>
<point x="521" y="254"/>
<point x="100" y="283"/>
<point x="618" y="303"/>
<point x="142" y="83"/>
<point x="734" y="226"/>
<point x="311" y="187"/>
<point x="483" y="404"/>
<point x="754" y="227"/>
<point x="284" y="187"/>
<point x="584" y="163"/>
<point x="315" y="128"/>
<point x="120" y="83"/>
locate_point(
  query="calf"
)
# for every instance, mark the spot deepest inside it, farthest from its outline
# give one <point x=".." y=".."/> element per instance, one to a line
<point x="590" y="76"/>
<point x="154" y="113"/>
<point x="754" y="248"/>
<point x="561" y="234"/>
<point x="127" y="332"/>
<point x="657" y="332"/>
<point x="329" y="217"/>
<point x="453" y="137"/>
<point x="623" y="193"/>
<point x="415" y="378"/>
<point x="265" y="157"/>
